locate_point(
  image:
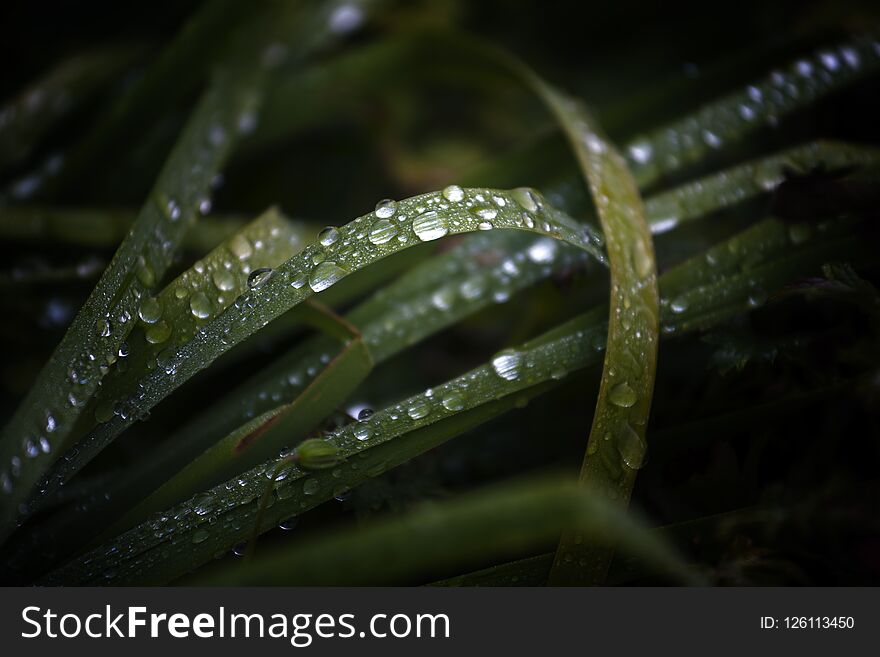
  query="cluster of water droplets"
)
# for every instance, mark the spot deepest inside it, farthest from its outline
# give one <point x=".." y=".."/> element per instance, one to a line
<point x="727" y="188"/>
<point x="763" y="103"/>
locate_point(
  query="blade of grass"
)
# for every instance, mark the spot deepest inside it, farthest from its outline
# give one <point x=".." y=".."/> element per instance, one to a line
<point x="760" y="104"/>
<point x="616" y="446"/>
<point x="170" y="79"/>
<point x="48" y="414"/>
<point x="100" y="228"/>
<point x="517" y="517"/>
<point x="36" y="111"/>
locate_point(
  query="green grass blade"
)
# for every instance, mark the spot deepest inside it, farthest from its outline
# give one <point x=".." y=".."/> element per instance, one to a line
<point x="762" y="103"/>
<point x="100" y="228"/>
<point x="38" y="432"/>
<point x="170" y="79"/>
<point x="518" y="517"/>
<point x="37" y="110"/>
<point x="616" y="446"/>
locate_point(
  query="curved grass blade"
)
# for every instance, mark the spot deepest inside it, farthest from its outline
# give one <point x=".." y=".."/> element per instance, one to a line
<point x="39" y="430"/>
<point x="393" y="227"/>
<point x="763" y="103"/>
<point x="616" y="446"/>
<point x="36" y="111"/>
<point x="190" y="534"/>
<point x="518" y="517"/>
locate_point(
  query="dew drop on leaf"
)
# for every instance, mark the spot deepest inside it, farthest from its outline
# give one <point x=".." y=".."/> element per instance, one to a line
<point x="325" y="275"/>
<point x="430" y="226"/>
<point x="382" y="231"/>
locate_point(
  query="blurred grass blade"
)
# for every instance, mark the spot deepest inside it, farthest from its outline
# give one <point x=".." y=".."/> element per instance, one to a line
<point x="667" y="210"/>
<point x="180" y="539"/>
<point x="616" y="447"/>
<point x="38" y="432"/>
<point x="100" y="228"/>
<point x="370" y="238"/>
<point x="760" y="104"/>
<point x="516" y="517"/>
<point x="37" y="110"/>
<point x="175" y="74"/>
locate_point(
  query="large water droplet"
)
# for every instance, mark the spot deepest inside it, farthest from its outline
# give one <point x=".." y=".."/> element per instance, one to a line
<point x="362" y="431"/>
<point x="453" y="401"/>
<point x="453" y="193"/>
<point x="259" y="277"/>
<point x="631" y="447"/>
<point x="200" y="306"/>
<point x="507" y="364"/>
<point x="325" y="275"/>
<point x="240" y="247"/>
<point x="622" y="395"/>
<point x="328" y="236"/>
<point x="223" y="279"/>
<point x="386" y="208"/>
<point x="527" y="198"/>
<point x="430" y="226"/>
<point x="418" y="409"/>
<point x="382" y="231"/>
<point x="150" y="310"/>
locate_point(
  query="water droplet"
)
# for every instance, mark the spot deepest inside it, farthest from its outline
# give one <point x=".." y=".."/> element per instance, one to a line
<point x="223" y="279"/>
<point x="365" y="414"/>
<point x="453" y="193"/>
<point x="288" y="524"/>
<point x="679" y="305"/>
<point x="259" y="277"/>
<point x="430" y="226"/>
<point x="507" y="364"/>
<point x="382" y="231"/>
<point x="622" y="395"/>
<point x="240" y="247"/>
<point x="362" y="432"/>
<point x="418" y="409"/>
<point x="527" y="199"/>
<point x="453" y="401"/>
<point x="631" y="447"/>
<point x="151" y="310"/>
<point x="386" y="208"/>
<point x="200" y="306"/>
<point x="103" y="328"/>
<point x="443" y="299"/>
<point x="310" y="486"/>
<point x="641" y="152"/>
<point x="325" y="275"/>
<point x="543" y="251"/>
<point x="158" y="332"/>
<point x="328" y="236"/>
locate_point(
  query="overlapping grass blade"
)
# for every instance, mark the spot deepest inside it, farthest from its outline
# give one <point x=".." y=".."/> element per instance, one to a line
<point x="763" y="103"/>
<point x="616" y="446"/>
<point x="370" y="238"/>
<point x="100" y="228"/>
<point x="190" y="534"/>
<point x="38" y="432"/>
<point x="36" y="111"/>
<point x="518" y="517"/>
